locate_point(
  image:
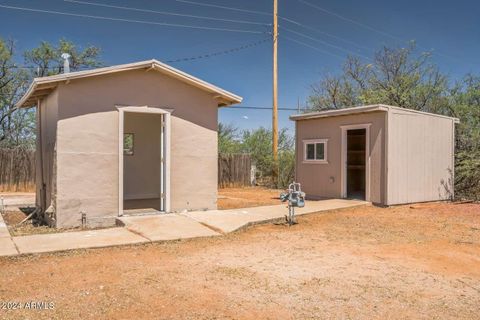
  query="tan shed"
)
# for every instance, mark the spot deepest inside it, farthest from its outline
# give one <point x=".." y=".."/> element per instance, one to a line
<point x="383" y="154"/>
<point x="131" y="138"/>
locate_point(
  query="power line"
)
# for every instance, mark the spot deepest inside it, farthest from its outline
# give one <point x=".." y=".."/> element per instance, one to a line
<point x="223" y="7"/>
<point x="280" y="17"/>
<point x="222" y="52"/>
<point x="192" y="58"/>
<point x="314" y="48"/>
<point x="132" y="21"/>
<point x="260" y="108"/>
<point x="368" y="27"/>
<point x="363" y="25"/>
<point x="324" y="33"/>
<point x="324" y="42"/>
<point x="166" y="13"/>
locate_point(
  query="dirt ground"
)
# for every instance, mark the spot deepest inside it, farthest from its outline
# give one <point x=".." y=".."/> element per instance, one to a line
<point x="419" y="262"/>
<point x="14" y="217"/>
<point x="233" y="198"/>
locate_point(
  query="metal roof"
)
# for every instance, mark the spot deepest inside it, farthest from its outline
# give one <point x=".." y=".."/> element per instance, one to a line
<point x="360" y="109"/>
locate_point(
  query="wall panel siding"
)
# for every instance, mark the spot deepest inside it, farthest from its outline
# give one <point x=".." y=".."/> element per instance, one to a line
<point x="420" y="157"/>
<point x="316" y="179"/>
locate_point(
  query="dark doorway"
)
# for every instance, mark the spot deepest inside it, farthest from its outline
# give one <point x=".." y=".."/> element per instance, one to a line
<point x="356" y="148"/>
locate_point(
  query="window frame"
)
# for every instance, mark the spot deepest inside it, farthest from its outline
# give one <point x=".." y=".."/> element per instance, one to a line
<point x="315" y="142"/>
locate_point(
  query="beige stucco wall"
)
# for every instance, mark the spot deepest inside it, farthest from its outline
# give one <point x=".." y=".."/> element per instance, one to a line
<point x="420" y="161"/>
<point x="87" y="143"/>
<point x="315" y="178"/>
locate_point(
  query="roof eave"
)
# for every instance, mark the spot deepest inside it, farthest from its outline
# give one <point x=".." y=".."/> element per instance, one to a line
<point x="227" y="98"/>
<point x="338" y="112"/>
<point x="362" y="109"/>
<point x="22" y="102"/>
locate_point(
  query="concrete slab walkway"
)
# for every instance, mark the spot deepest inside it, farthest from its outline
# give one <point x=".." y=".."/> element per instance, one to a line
<point x="166" y="227"/>
<point x="52" y="242"/>
<point x="231" y="220"/>
<point x="14" y="200"/>
<point x="7" y="247"/>
<point x="142" y="229"/>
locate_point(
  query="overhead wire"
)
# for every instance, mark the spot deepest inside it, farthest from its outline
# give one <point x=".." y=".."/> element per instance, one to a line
<point x="361" y="24"/>
<point x="191" y="58"/>
<point x="203" y="4"/>
<point x="260" y="108"/>
<point x="285" y="19"/>
<point x="165" y="12"/>
<point x="133" y="21"/>
<point x="302" y="25"/>
<point x="221" y="52"/>
<point x="323" y="42"/>
<point x="368" y="27"/>
<point x="313" y="47"/>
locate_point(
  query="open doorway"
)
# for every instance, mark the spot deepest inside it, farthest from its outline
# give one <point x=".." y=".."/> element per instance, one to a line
<point x="143" y="176"/>
<point x="356" y="163"/>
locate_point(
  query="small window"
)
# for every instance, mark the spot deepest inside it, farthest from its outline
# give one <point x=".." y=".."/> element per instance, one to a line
<point x="128" y="144"/>
<point x="315" y="150"/>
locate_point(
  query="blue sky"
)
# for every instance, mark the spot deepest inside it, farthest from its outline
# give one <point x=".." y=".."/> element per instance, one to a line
<point x="450" y="28"/>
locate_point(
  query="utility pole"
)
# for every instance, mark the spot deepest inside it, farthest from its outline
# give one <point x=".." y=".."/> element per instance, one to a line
<point x="275" y="94"/>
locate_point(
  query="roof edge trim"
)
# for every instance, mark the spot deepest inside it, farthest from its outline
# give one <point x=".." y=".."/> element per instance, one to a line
<point x="154" y="64"/>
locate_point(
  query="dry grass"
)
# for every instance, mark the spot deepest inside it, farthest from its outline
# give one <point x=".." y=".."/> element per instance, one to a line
<point x="29" y="227"/>
<point x="418" y="262"/>
<point x="26" y="187"/>
<point x="234" y="198"/>
<point x="13" y="218"/>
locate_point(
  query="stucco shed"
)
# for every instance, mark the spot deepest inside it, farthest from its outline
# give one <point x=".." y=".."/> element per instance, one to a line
<point x="383" y="154"/>
<point x="125" y="139"/>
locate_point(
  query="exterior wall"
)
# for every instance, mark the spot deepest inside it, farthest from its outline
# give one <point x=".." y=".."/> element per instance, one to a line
<point x="420" y="157"/>
<point x="47" y="114"/>
<point x="316" y="178"/>
<point x="142" y="169"/>
<point x="87" y="147"/>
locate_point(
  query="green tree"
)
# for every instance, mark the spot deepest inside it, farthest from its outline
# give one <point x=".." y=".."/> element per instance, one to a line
<point x="17" y="126"/>
<point x="465" y="104"/>
<point x="228" y="139"/>
<point x="258" y="143"/>
<point x="46" y="59"/>
<point x="398" y="77"/>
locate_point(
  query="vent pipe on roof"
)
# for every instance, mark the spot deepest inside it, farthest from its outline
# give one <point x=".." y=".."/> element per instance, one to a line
<point x="66" y="62"/>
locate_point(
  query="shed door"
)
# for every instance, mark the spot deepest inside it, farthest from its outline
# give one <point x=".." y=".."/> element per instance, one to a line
<point x="356" y="164"/>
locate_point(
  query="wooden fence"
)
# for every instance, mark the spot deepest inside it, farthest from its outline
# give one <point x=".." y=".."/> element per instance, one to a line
<point x="17" y="170"/>
<point x="234" y="170"/>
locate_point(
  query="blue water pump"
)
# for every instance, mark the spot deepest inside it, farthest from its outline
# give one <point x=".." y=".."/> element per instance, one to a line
<point x="295" y="198"/>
